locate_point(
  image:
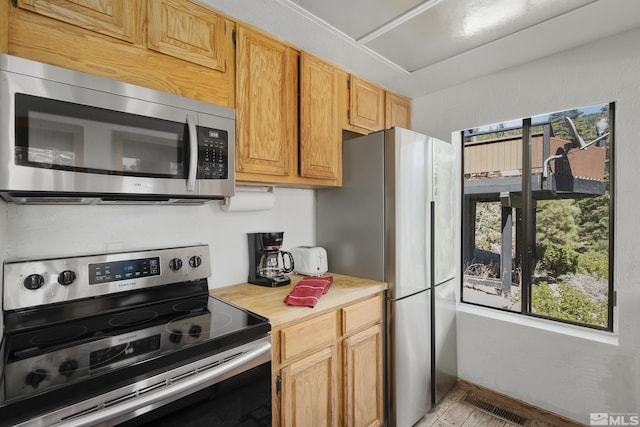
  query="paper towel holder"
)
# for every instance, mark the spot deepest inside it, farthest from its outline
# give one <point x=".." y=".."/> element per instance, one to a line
<point x="249" y="199"/>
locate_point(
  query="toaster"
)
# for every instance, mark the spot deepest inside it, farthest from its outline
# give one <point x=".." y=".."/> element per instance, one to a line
<point x="309" y="260"/>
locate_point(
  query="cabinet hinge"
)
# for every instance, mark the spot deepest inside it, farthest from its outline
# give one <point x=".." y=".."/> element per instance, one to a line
<point x="233" y="37"/>
<point x="349" y="84"/>
<point x="14" y="3"/>
<point x="278" y="384"/>
<point x="349" y="114"/>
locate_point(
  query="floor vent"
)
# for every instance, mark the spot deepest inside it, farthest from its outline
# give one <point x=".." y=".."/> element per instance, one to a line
<point x="474" y="400"/>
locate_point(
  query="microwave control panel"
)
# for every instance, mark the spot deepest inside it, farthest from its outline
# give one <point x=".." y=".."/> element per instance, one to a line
<point x="213" y="153"/>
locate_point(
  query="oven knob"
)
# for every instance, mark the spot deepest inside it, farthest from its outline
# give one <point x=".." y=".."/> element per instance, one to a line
<point x="35" y="377"/>
<point x="33" y="281"/>
<point x="68" y="367"/>
<point x="195" y="261"/>
<point x="195" y="331"/>
<point x="175" y="264"/>
<point x="175" y="336"/>
<point x="66" y="277"/>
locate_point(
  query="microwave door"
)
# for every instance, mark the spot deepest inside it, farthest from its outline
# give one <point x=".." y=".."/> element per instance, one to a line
<point x="59" y="135"/>
<point x="143" y="153"/>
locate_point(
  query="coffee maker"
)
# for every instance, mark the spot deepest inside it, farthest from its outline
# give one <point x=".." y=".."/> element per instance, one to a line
<point x="265" y="265"/>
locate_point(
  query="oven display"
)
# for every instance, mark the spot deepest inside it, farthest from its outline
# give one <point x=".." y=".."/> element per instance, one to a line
<point x="117" y="353"/>
<point x="123" y="270"/>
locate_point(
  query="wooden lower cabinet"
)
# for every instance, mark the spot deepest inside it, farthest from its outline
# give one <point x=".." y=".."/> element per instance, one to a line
<point x="328" y="369"/>
<point x="310" y="391"/>
<point x="363" y="386"/>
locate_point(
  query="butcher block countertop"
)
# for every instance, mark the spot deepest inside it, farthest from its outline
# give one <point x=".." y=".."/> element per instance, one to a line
<point x="269" y="302"/>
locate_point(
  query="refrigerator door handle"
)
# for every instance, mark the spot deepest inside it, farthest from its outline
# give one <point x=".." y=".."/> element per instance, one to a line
<point x="448" y="279"/>
<point x="407" y="296"/>
<point x="432" y="279"/>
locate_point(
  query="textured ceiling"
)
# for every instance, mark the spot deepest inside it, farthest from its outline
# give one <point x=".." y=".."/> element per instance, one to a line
<point x="416" y="34"/>
<point x="415" y="47"/>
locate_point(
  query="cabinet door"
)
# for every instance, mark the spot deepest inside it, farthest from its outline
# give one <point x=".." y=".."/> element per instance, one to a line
<point x="397" y="111"/>
<point x="320" y="132"/>
<point x="267" y="109"/>
<point x="115" y="18"/>
<point x="186" y="31"/>
<point x="309" y="391"/>
<point x="366" y="105"/>
<point x="363" y="404"/>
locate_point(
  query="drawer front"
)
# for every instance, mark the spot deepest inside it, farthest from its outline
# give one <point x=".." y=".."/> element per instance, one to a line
<point x="314" y="333"/>
<point x="361" y="314"/>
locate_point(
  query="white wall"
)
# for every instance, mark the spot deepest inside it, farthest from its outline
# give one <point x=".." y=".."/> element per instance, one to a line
<point x="537" y="361"/>
<point x="44" y="231"/>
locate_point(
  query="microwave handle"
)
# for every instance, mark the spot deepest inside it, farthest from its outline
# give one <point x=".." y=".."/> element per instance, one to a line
<point x="193" y="153"/>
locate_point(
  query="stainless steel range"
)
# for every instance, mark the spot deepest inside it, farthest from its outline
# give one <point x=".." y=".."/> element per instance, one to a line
<point x="132" y="338"/>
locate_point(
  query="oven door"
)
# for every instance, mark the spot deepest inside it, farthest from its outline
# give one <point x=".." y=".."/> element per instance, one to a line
<point x="227" y="389"/>
<point x="242" y="400"/>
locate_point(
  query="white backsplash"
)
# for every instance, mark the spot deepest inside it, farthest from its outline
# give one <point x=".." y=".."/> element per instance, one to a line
<point x="50" y="231"/>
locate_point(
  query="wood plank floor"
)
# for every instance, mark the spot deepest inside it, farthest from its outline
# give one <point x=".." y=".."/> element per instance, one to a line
<point x="455" y="409"/>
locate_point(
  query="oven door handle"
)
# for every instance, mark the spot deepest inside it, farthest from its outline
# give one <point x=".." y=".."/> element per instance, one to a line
<point x="172" y="391"/>
<point x="193" y="153"/>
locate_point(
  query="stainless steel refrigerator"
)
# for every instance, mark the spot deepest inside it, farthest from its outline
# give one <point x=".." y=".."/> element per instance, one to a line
<point x="394" y="220"/>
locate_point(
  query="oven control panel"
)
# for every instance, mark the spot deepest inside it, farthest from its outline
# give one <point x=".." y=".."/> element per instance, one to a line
<point x="114" y="271"/>
<point x="31" y="283"/>
<point x="31" y="374"/>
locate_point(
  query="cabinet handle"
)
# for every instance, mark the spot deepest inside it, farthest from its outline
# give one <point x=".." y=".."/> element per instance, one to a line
<point x="193" y="153"/>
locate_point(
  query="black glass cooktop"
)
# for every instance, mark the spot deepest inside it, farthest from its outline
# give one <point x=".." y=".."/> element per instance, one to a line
<point x="60" y="355"/>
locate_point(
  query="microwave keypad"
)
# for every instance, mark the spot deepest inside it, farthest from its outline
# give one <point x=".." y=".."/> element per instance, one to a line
<point x="212" y="154"/>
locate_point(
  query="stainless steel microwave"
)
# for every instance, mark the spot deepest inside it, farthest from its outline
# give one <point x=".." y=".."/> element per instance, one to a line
<point x="70" y="137"/>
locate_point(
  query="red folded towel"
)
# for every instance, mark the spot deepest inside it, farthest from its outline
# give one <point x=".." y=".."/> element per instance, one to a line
<point x="308" y="291"/>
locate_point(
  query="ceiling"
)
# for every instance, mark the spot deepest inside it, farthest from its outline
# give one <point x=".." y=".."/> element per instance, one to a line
<point x="416" y="47"/>
<point x="414" y="34"/>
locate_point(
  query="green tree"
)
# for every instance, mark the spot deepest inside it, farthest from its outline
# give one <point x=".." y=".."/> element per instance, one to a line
<point x="559" y="128"/>
<point x="567" y="303"/>
<point x="593" y="222"/>
<point x="556" y="223"/>
<point x="488" y="223"/>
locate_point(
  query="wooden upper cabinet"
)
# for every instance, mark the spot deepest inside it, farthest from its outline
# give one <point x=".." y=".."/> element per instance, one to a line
<point x="397" y="111"/>
<point x="114" y="18"/>
<point x="320" y="130"/>
<point x="366" y="104"/>
<point x="266" y="106"/>
<point x="190" y="56"/>
<point x="187" y="31"/>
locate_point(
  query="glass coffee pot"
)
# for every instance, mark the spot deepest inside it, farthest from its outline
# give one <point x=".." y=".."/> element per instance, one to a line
<point x="272" y="266"/>
<point x="267" y="263"/>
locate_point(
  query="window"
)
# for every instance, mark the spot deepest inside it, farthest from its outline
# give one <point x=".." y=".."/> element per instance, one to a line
<point x="537" y="231"/>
